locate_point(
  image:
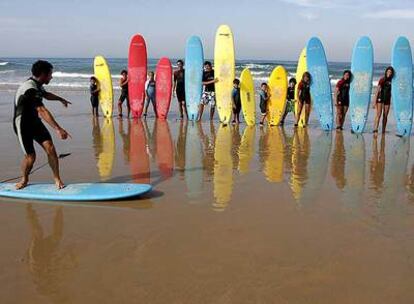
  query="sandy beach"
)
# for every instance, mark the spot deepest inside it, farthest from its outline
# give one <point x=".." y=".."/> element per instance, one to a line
<point x="238" y="215"/>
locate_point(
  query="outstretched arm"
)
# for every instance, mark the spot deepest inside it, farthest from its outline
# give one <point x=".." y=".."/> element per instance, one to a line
<point x="51" y="96"/>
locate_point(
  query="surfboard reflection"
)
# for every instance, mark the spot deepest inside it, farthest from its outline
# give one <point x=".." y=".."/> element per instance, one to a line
<point x="104" y="146"/>
<point x="139" y="153"/>
<point x="164" y="148"/>
<point x="247" y="149"/>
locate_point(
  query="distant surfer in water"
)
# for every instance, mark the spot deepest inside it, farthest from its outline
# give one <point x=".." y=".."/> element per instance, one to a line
<point x="342" y="98"/>
<point x="382" y="99"/>
<point x="123" y="83"/>
<point x="28" y="112"/>
<point x="179" y="88"/>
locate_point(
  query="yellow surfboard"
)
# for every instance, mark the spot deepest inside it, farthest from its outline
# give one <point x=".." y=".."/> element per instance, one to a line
<point x="278" y="90"/>
<point x="224" y="65"/>
<point x="247" y="97"/>
<point x="301" y="68"/>
<point x="102" y="73"/>
<point x="246" y="149"/>
<point x="107" y="153"/>
<point x="273" y="165"/>
<point x="223" y="168"/>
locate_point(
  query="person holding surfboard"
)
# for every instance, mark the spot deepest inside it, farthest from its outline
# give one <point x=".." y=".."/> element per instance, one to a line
<point x="290" y="96"/>
<point x="94" y="90"/>
<point x="382" y="99"/>
<point x="235" y="96"/>
<point x="304" y="97"/>
<point x="179" y="88"/>
<point x="150" y="93"/>
<point x="209" y="95"/>
<point x="123" y="84"/>
<point x="264" y="99"/>
<point x="29" y="111"/>
<point x="342" y="98"/>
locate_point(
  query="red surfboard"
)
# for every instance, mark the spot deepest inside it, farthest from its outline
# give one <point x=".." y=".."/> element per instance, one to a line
<point x="163" y="86"/>
<point x="164" y="148"/>
<point x="138" y="154"/>
<point x="137" y="74"/>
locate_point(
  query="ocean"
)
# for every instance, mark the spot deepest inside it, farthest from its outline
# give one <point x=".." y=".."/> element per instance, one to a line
<point x="74" y="73"/>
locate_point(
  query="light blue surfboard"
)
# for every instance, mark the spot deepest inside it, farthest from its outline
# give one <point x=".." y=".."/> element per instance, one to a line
<point x="402" y="86"/>
<point x="361" y="86"/>
<point x="194" y="60"/>
<point x="321" y="91"/>
<point x="194" y="171"/>
<point x="75" y="192"/>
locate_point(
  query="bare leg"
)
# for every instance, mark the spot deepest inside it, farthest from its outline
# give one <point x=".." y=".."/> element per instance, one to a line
<point x="307" y="113"/>
<point x="300" y="107"/>
<point x="200" y="111"/>
<point x="119" y="108"/>
<point x="377" y="116"/>
<point x="338" y="116"/>
<point x="184" y="109"/>
<point x="27" y="166"/>
<point x="53" y="162"/>
<point x="385" y="117"/>
<point x="212" y="109"/>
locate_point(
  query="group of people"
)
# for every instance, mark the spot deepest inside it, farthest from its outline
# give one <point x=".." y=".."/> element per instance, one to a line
<point x="29" y="110"/>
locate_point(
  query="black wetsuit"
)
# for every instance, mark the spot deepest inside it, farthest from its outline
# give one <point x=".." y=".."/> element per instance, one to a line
<point x="180" y="84"/>
<point x="94" y="96"/>
<point x="26" y="121"/>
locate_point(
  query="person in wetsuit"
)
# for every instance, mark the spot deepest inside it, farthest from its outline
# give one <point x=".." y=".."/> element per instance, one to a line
<point x="29" y="111"/>
<point x="342" y="98"/>
<point x="94" y="90"/>
<point x="179" y="88"/>
<point x="150" y="94"/>
<point x="304" y="97"/>
<point x="123" y="83"/>
<point x="235" y="97"/>
<point x="382" y="99"/>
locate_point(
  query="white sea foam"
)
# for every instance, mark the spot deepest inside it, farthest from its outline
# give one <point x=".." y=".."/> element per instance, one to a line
<point x="59" y="74"/>
<point x="4" y="63"/>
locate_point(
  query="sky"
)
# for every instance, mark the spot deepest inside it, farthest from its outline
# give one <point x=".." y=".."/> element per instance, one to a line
<point x="263" y="29"/>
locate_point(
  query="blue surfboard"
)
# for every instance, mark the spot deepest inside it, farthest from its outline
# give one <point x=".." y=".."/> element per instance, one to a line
<point x="361" y="86"/>
<point x="194" y="60"/>
<point x="321" y="91"/>
<point x="75" y="192"/>
<point x="402" y="86"/>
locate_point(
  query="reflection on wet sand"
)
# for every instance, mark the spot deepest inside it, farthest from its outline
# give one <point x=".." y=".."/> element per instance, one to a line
<point x="49" y="265"/>
<point x="246" y="149"/>
<point x="300" y="155"/>
<point x="104" y="143"/>
<point x="164" y="148"/>
<point x="223" y="168"/>
<point x="377" y="165"/>
<point x="274" y="151"/>
<point x="125" y="137"/>
<point x="180" y="147"/>
<point x="338" y="161"/>
<point x="193" y="161"/>
<point x="139" y="153"/>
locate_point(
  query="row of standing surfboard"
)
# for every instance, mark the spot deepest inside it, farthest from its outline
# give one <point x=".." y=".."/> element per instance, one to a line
<point x="312" y="59"/>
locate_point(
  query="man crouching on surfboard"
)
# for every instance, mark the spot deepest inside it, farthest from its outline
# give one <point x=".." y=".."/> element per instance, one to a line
<point x="27" y="123"/>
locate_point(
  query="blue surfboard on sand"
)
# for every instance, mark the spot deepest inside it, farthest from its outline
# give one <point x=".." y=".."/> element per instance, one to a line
<point x="194" y="61"/>
<point x="361" y="86"/>
<point x="75" y="192"/>
<point x="320" y="84"/>
<point x="402" y="86"/>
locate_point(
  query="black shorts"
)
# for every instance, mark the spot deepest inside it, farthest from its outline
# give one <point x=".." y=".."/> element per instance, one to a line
<point x="124" y="96"/>
<point x="263" y="107"/>
<point x="27" y="134"/>
<point x="180" y="92"/>
<point x="386" y="102"/>
<point x="343" y="103"/>
<point x="94" y="101"/>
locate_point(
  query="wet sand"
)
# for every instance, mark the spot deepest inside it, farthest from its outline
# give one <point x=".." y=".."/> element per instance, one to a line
<point x="238" y="215"/>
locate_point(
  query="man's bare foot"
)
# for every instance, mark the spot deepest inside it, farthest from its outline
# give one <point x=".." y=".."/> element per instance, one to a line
<point x="23" y="183"/>
<point x="59" y="184"/>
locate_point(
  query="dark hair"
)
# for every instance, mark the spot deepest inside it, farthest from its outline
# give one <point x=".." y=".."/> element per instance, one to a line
<point x="207" y="63"/>
<point x="41" y="67"/>
<point x="292" y="80"/>
<point x="180" y="61"/>
<point x="94" y="78"/>
<point x="390" y="68"/>
<point x="307" y="74"/>
<point x="263" y="83"/>
<point x="349" y="73"/>
<point x="124" y="72"/>
<point x="236" y="81"/>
